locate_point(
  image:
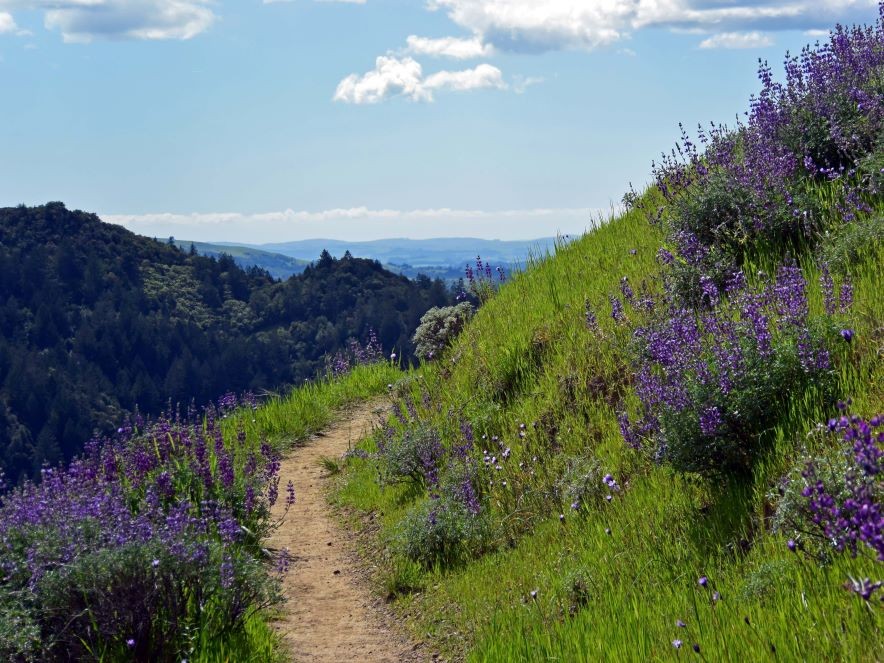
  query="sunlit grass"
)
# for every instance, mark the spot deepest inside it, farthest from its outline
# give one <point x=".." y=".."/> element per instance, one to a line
<point x="612" y="582"/>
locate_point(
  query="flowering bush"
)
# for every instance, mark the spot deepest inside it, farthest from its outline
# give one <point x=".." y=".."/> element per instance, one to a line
<point x="142" y="542"/>
<point x="823" y="126"/>
<point x="853" y="517"/>
<point x="439" y="327"/>
<point x="356" y="354"/>
<point x="444" y="530"/>
<point x="413" y="455"/>
<point x="832" y="503"/>
<point x="480" y="284"/>
<point x="711" y="382"/>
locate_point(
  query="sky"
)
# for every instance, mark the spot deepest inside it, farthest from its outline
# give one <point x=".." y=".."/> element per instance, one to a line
<point x="250" y="121"/>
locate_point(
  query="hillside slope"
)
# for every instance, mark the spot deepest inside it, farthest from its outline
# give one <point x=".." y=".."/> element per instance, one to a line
<point x="624" y="455"/>
<point x="277" y="265"/>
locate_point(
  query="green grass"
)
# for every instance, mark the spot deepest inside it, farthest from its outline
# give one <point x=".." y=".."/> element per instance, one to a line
<point x="527" y="357"/>
<point x="285" y="421"/>
<point x="289" y="419"/>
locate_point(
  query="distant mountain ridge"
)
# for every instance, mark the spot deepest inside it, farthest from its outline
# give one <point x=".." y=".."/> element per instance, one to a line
<point x="443" y="257"/>
<point x="279" y="266"/>
<point x="438" y="252"/>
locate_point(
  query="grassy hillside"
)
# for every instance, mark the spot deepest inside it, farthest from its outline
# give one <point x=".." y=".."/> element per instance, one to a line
<point x="277" y="265"/>
<point x="541" y="498"/>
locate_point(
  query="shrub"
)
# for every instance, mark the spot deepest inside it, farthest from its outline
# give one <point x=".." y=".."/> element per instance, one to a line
<point x="439" y="327"/>
<point x="141" y="543"/>
<point x="832" y="504"/>
<point x="582" y="482"/>
<point x="792" y="517"/>
<point x="850" y="244"/>
<point x="712" y="382"/>
<point x="444" y="531"/>
<point x="412" y="455"/>
<point x="821" y="130"/>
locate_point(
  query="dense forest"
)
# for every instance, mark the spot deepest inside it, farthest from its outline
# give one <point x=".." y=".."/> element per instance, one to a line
<point x="96" y="321"/>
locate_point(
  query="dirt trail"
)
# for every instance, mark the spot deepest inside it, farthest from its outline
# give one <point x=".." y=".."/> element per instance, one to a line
<point x="330" y="613"/>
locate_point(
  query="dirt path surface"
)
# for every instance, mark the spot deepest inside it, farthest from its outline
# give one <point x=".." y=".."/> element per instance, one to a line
<point x="330" y="613"/>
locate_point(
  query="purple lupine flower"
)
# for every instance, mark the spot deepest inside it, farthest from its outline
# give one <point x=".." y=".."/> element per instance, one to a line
<point x="592" y="323"/>
<point x="847" y="335"/>
<point x="845" y="300"/>
<point x="665" y="257"/>
<point x="710" y="421"/>
<point x="856" y="519"/>
<point x="864" y="587"/>
<point x="626" y="291"/>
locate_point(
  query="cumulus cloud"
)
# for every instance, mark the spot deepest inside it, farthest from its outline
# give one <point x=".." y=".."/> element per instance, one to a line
<point x="85" y="20"/>
<point x="360" y="223"/>
<point x="528" y="25"/>
<point x="404" y="76"/>
<point x="737" y="40"/>
<point x="449" y="47"/>
<point x="349" y="2"/>
<point x="7" y="24"/>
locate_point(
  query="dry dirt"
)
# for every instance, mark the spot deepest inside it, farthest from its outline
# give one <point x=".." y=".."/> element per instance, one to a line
<point x="330" y="613"/>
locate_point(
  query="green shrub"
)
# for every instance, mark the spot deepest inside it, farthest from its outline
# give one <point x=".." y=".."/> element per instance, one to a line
<point x="439" y="326"/>
<point x="443" y="531"/>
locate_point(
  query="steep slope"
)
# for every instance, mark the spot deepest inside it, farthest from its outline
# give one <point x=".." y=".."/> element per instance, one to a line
<point x="624" y="455"/>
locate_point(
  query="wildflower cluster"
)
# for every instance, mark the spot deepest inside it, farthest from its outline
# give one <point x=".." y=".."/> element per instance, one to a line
<point x="143" y="539"/>
<point x="710" y="381"/>
<point x="480" y="281"/>
<point x="822" y="127"/>
<point x="854" y="517"/>
<point x="355" y="354"/>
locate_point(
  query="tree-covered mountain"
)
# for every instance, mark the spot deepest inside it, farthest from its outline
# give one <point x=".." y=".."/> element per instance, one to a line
<point x="96" y="321"/>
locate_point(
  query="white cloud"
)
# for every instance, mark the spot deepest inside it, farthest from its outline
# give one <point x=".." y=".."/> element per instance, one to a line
<point x="530" y="25"/>
<point x="522" y="83"/>
<point x="349" y="2"/>
<point x="737" y="40"/>
<point x="404" y="76"/>
<point x="361" y="223"/>
<point x="7" y="23"/>
<point x="85" y="20"/>
<point x="450" y="47"/>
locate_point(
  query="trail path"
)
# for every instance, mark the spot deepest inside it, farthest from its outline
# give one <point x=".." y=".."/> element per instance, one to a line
<point x="330" y="613"/>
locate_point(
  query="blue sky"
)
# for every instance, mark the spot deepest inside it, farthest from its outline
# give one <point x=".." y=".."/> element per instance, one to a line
<point x="270" y="121"/>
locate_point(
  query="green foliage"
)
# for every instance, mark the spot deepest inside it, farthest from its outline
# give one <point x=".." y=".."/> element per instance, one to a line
<point x="96" y="322"/>
<point x="443" y="532"/>
<point x="404" y="456"/>
<point x="849" y="244"/>
<point x="147" y="597"/>
<point x="19" y="633"/>
<point x="438" y="328"/>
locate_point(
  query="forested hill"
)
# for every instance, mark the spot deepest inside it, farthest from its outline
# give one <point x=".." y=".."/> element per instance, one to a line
<point x="95" y="320"/>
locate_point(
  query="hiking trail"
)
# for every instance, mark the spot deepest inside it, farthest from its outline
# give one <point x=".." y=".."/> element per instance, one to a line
<point x="330" y="613"/>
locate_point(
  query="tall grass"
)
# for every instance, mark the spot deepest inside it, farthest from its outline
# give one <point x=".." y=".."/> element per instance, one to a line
<point x="612" y="580"/>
